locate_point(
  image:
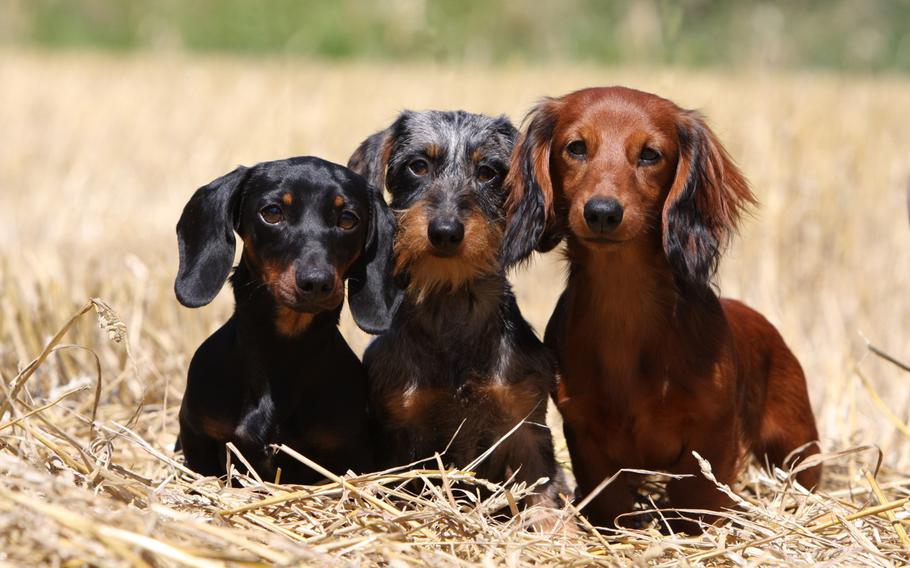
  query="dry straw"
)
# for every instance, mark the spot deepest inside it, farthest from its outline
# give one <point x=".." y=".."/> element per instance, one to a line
<point x="79" y="488"/>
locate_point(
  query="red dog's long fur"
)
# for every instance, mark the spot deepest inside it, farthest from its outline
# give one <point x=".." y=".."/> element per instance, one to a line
<point x="653" y="364"/>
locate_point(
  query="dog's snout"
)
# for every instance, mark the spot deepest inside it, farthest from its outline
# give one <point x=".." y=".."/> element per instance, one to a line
<point x="446" y="234"/>
<point x="315" y="284"/>
<point x="603" y="215"/>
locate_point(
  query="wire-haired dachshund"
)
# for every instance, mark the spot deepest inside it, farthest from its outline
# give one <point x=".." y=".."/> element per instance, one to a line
<point x="458" y="356"/>
<point x="279" y="371"/>
<point x="653" y="365"/>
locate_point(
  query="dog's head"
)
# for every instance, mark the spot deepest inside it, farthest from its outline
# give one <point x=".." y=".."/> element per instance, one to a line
<point x="606" y="167"/>
<point x="306" y="224"/>
<point x="444" y="172"/>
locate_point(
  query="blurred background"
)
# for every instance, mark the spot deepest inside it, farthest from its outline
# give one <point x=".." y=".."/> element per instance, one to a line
<point x="830" y="34"/>
<point x="112" y="112"/>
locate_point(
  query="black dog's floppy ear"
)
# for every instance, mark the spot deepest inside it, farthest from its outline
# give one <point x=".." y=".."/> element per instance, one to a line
<point x="373" y="295"/>
<point x="205" y="239"/>
<point x="530" y="209"/>
<point x="704" y="204"/>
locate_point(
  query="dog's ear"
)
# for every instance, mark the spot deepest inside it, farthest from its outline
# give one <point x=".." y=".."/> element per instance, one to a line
<point x="530" y="211"/>
<point x="504" y="128"/>
<point x="705" y="202"/>
<point x="205" y="239"/>
<point x="372" y="156"/>
<point x="373" y="294"/>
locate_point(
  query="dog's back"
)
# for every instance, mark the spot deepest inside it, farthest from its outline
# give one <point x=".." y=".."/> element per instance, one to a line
<point x="777" y="416"/>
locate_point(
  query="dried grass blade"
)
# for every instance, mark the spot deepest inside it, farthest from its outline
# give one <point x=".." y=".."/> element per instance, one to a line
<point x="387" y="507"/>
<point x="34" y="411"/>
<point x="880" y="495"/>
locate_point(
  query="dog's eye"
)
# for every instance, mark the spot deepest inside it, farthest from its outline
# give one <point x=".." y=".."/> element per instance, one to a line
<point x="577" y="149"/>
<point x="272" y="214"/>
<point x="347" y="220"/>
<point x="419" y="167"/>
<point x="486" y="173"/>
<point x="648" y="156"/>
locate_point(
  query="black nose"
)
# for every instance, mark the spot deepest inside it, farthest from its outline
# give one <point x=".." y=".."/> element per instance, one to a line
<point x="445" y="234"/>
<point x="315" y="284"/>
<point x="603" y="215"/>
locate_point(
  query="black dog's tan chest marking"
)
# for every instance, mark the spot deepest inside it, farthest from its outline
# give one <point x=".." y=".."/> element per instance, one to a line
<point x="412" y="407"/>
<point x="324" y="439"/>
<point x="216" y="428"/>
<point x="512" y="402"/>
<point x="497" y="402"/>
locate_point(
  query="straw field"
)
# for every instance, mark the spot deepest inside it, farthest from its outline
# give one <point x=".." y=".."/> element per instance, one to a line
<point x="99" y="154"/>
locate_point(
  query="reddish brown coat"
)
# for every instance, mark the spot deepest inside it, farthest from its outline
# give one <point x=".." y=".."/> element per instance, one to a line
<point x="653" y="364"/>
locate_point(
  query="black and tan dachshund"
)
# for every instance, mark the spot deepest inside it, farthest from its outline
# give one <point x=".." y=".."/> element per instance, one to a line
<point x="279" y="371"/>
<point x="458" y="355"/>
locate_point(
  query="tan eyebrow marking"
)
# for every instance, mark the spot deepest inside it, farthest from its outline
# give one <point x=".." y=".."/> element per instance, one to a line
<point x="339" y="201"/>
<point x="287" y="198"/>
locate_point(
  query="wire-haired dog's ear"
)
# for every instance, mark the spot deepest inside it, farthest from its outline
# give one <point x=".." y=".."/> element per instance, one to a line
<point x="502" y="126"/>
<point x="205" y="239"/>
<point x="373" y="294"/>
<point x="704" y="204"/>
<point x="532" y="223"/>
<point x="372" y="156"/>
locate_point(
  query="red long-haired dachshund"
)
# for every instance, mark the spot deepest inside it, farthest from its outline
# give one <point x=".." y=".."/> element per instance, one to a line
<point x="653" y="364"/>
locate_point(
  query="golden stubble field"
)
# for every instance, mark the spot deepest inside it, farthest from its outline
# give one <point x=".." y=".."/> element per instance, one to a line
<point x="99" y="154"/>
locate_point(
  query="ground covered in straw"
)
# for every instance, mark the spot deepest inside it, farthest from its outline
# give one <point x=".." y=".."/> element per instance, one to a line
<point x="101" y="153"/>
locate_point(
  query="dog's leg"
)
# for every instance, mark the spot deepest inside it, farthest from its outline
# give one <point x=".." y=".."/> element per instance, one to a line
<point x="202" y="454"/>
<point x="529" y="454"/>
<point x="591" y="467"/>
<point x="718" y="443"/>
<point x="613" y="500"/>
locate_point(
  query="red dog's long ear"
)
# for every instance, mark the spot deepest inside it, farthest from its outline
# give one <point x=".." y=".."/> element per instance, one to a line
<point x="708" y="196"/>
<point x="532" y="223"/>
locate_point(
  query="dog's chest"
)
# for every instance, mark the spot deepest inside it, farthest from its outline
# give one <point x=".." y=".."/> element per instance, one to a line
<point x="634" y="416"/>
<point x="486" y="400"/>
<point x="653" y="437"/>
<point x="308" y="414"/>
<point x="313" y="439"/>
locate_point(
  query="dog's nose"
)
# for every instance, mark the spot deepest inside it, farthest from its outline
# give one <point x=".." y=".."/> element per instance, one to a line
<point x="603" y="215"/>
<point x="445" y="234"/>
<point x="315" y="284"/>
